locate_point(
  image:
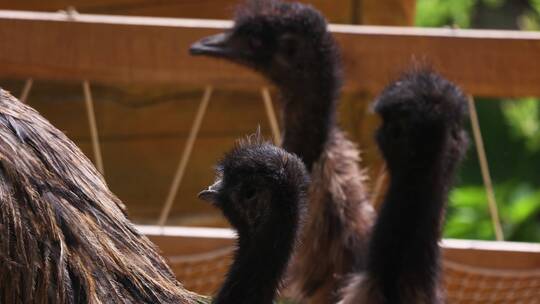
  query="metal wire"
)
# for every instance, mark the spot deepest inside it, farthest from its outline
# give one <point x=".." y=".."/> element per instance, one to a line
<point x="173" y="190"/>
<point x="272" y="118"/>
<point x="484" y="166"/>
<point x="89" y="102"/>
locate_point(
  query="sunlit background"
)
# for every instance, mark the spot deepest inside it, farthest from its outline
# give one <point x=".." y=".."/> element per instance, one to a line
<point x="510" y="127"/>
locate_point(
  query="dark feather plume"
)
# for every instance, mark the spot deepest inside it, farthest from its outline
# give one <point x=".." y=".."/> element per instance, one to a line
<point x="288" y="43"/>
<point x="423" y="141"/>
<point x="64" y="237"/>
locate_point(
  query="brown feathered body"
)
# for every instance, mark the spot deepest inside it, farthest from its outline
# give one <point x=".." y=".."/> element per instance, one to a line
<point x="64" y="237"/>
<point x="334" y="240"/>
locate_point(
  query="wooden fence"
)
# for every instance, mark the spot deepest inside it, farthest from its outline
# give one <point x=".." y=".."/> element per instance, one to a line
<point x="133" y="50"/>
<point x="114" y="49"/>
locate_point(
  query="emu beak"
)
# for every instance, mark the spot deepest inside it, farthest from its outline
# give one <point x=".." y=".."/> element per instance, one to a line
<point x="211" y="193"/>
<point x="216" y="46"/>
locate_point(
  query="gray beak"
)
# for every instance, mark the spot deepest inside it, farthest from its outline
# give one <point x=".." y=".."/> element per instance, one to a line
<point x="216" y="45"/>
<point x="211" y="193"/>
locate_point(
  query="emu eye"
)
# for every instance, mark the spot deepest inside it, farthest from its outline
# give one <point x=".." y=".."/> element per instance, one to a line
<point x="255" y="43"/>
<point x="289" y="46"/>
<point x="248" y="193"/>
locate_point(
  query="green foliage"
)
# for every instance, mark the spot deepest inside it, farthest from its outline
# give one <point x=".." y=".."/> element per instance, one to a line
<point x="493" y="3"/>
<point x="535" y="5"/>
<point x="511" y="132"/>
<point x="530" y="21"/>
<point x="458" y="13"/>
<point x="469" y="217"/>
<point x="508" y="129"/>
<point x="436" y="13"/>
<point x="522" y="116"/>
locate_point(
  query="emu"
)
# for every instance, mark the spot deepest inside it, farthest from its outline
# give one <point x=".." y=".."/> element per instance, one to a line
<point x="423" y="141"/>
<point x="290" y="45"/>
<point x="261" y="190"/>
<point x="65" y="237"/>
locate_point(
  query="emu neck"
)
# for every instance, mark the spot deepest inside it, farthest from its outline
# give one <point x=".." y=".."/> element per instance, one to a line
<point x="405" y="240"/>
<point x="309" y="115"/>
<point x="259" y="263"/>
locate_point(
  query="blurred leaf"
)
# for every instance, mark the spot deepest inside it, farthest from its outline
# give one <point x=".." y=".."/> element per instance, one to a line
<point x="513" y="147"/>
<point x="468" y="196"/>
<point x="528" y="232"/>
<point x="522" y="116"/>
<point x="436" y="13"/>
<point x="469" y="216"/>
<point x="524" y="208"/>
<point x="493" y="3"/>
<point x="529" y="21"/>
<point x="535" y="5"/>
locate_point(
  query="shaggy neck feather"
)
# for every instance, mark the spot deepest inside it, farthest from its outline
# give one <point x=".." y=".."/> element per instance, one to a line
<point x="259" y="262"/>
<point x="405" y="239"/>
<point x="309" y="109"/>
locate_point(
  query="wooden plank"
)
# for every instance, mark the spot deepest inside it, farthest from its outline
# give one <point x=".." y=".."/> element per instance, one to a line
<point x="188" y="240"/>
<point x="127" y="113"/>
<point x="154" y="50"/>
<point x="488" y="254"/>
<point x="198" y="254"/>
<point x="143" y="128"/>
<point x="338" y="11"/>
<point x="214" y="9"/>
<point x="483" y="62"/>
<point x="199" y="257"/>
<point x="142" y="133"/>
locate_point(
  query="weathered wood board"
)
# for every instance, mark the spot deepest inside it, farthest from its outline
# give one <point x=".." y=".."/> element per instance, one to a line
<point x="142" y="131"/>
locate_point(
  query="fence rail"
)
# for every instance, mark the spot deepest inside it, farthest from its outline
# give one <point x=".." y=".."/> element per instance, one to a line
<point x="489" y="254"/>
<point x="114" y="49"/>
<point x="120" y="50"/>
